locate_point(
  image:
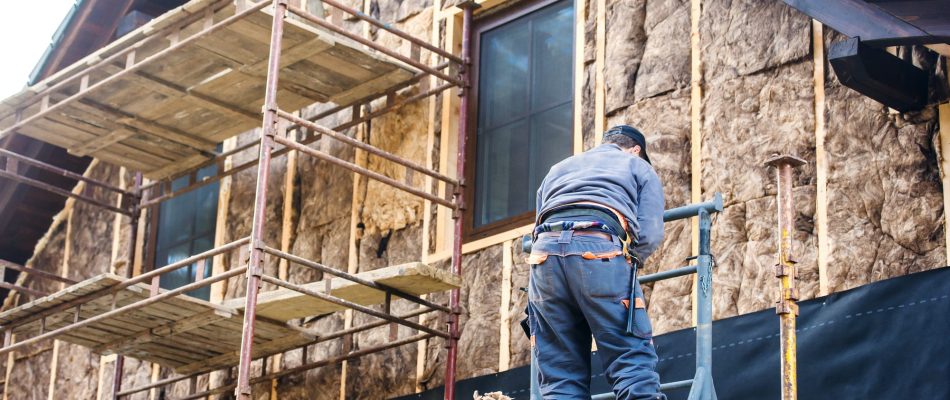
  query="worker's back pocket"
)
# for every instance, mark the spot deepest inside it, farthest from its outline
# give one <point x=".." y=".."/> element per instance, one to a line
<point x="605" y="278"/>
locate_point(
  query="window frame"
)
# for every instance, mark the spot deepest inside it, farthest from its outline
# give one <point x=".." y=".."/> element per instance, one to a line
<point x="150" y="262"/>
<point x="479" y="27"/>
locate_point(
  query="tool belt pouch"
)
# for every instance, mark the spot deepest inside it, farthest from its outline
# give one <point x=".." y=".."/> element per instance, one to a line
<point x="525" y="324"/>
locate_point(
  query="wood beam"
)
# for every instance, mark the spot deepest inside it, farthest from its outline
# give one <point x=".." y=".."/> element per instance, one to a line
<point x="821" y="160"/>
<point x="600" y="56"/>
<point x="944" y="111"/>
<point x="695" y="128"/>
<point x="580" y="20"/>
<point x="504" y="309"/>
<point x="218" y="265"/>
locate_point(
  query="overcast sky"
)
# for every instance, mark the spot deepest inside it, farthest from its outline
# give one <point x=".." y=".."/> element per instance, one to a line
<point x="26" y="29"/>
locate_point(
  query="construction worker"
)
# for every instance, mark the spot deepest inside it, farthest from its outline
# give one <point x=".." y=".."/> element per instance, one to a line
<point x="599" y="214"/>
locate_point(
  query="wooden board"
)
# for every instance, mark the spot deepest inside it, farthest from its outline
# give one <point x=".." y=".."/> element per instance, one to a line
<point x="182" y="333"/>
<point x="415" y="278"/>
<point x="169" y="114"/>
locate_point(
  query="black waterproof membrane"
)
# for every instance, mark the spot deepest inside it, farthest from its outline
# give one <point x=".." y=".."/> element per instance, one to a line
<point x="885" y="340"/>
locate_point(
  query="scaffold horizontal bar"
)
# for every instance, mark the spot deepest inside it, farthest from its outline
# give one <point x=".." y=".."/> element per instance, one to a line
<point x="36" y="272"/>
<point x="320" y="339"/>
<point x="355" y="306"/>
<point x="280" y="152"/>
<point x="130" y="307"/>
<point x="32" y="292"/>
<point x="325" y="269"/>
<point x="389" y="28"/>
<point x="63" y="172"/>
<point x="712" y="206"/>
<point x="365" y="147"/>
<point x="663" y="275"/>
<point x="309" y="366"/>
<point x="60" y="191"/>
<point x="375" y="46"/>
<point x="363" y="171"/>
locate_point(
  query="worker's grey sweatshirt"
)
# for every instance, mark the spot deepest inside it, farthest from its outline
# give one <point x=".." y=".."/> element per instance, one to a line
<point x="606" y="175"/>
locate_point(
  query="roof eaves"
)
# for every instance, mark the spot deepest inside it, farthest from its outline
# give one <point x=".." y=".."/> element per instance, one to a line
<point x="36" y="74"/>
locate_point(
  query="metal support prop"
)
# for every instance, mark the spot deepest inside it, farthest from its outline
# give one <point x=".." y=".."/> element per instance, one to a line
<point x="465" y="77"/>
<point x="242" y="390"/>
<point x="786" y="307"/>
<point x="702" y="387"/>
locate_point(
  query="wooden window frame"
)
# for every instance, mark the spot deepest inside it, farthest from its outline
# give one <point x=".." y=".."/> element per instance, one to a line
<point x="480" y="26"/>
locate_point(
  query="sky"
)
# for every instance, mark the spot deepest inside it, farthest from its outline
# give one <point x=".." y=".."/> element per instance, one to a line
<point x="26" y="30"/>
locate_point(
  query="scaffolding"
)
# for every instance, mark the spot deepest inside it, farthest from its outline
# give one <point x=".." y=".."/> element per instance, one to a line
<point x="253" y="52"/>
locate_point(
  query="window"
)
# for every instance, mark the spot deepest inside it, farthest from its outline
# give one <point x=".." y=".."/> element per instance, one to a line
<point x="523" y="116"/>
<point x="185" y="227"/>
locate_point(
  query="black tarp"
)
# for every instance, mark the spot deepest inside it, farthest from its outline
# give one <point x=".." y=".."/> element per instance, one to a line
<point x="885" y="340"/>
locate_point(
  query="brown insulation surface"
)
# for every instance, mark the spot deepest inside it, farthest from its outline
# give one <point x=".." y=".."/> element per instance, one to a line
<point x="91" y="238"/>
<point x="885" y="210"/>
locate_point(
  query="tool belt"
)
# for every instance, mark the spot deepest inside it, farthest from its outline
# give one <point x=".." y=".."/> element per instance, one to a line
<point x="628" y="240"/>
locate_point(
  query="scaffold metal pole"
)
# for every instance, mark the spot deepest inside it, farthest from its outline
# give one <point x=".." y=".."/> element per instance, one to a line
<point x="242" y="390"/>
<point x="464" y="91"/>
<point x="135" y="203"/>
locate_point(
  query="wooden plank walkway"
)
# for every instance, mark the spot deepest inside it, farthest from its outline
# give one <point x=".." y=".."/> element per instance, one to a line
<point x="168" y="115"/>
<point x="190" y="335"/>
<point x="413" y="278"/>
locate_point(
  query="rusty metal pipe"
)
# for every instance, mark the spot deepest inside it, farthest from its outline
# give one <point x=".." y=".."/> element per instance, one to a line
<point x="353" y="278"/>
<point x="454" y="297"/>
<point x="255" y="267"/>
<point x="363" y="171"/>
<point x="365" y="147"/>
<point x="60" y="191"/>
<point x="38" y="273"/>
<point x="373" y="45"/>
<point x="387" y="27"/>
<point x="786" y="306"/>
<point x="309" y="366"/>
<point x="62" y="172"/>
<point x="25" y="290"/>
<point x="280" y="152"/>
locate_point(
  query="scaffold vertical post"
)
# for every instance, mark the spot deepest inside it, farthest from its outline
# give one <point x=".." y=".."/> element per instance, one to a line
<point x="786" y="306"/>
<point x="136" y="203"/>
<point x="459" y="197"/>
<point x="242" y="390"/>
<point x="704" y="308"/>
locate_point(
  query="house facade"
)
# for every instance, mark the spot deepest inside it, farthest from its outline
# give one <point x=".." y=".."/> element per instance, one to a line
<point x="718" y="87"/>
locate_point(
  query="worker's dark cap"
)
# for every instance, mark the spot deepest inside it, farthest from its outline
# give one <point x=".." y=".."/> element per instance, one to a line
<point x="634" y="134"/>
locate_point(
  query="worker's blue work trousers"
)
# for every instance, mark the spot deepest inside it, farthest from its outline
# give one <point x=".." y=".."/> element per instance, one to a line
<point x="571" y="298"/>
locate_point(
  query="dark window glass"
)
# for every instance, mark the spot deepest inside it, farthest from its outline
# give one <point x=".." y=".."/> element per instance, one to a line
<point x="185" y="228"/>
<point x="525" y="109"/>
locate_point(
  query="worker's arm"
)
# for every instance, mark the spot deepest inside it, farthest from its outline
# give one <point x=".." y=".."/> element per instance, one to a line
<point x="650" y="213"/>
